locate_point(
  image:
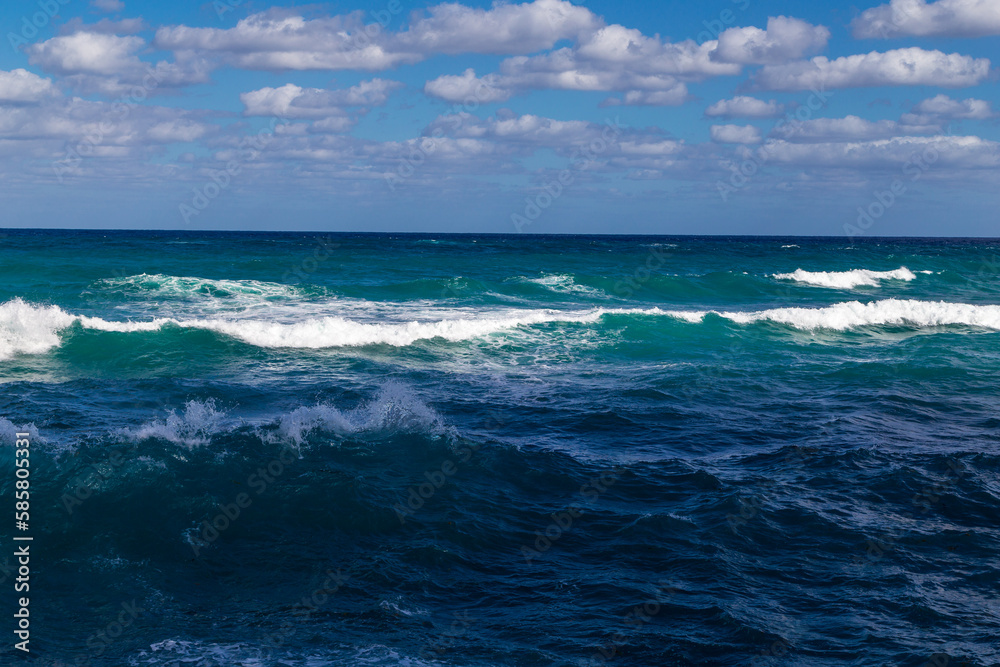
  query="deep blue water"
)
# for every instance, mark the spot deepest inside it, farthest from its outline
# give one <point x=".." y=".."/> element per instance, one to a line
<point x="305" y="450"/>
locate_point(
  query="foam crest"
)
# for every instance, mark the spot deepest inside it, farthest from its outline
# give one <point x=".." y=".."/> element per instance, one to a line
<point x="564" y="284"/>
<point x="162" y="285"/>
<point x="340" y="332"/>
<point x="192" y="428"/>
<point x="9" y="431"/>
<point x="854" y="314"/>
<point x="846" y="279"/>
<point x="27" y="329"/>
<point x="395" y="409"/>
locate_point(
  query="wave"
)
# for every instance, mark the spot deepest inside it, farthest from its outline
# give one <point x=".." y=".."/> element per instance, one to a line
<point x="9" y="431"/>
<point x="854" y="314"/>
<point x="27" y="329"/>
<point x="395" y="409"/>
<point x="846" y="279"/>
<point x="163" y="285"/>
<point x="563" y="283"/>
<point x="194" y="427"/>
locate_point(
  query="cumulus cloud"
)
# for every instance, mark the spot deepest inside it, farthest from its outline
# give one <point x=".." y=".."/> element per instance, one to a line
<point x="902" y="67"/>
<point x="467" y="86"/>
<point x="277" y="40"/>
<point x="735" y="134"/>
<point x="946" y="18"/>
<point x="785" y="39"/>
<point x="20" y="86"/>
<point x="504" y="29"/>
<point x="89" y="52"/>
<point x="849" y="128"/>
<point x="953" y="152"/>
<point x="743" y="106"/>
<point x="292" y="101"/>
<point x="613" y="59"/>
<point x="106" y="129"/>
<point x="527" y="129"/>
<point x="109" y="64"/>
<point x="673" y="97"/>
<point x="945" y="107"/>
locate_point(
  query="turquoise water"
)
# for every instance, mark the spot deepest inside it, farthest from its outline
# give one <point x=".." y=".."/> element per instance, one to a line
<point x="292" y="449"/>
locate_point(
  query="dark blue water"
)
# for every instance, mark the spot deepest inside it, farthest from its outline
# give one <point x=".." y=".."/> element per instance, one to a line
<point x="306" y="450"/>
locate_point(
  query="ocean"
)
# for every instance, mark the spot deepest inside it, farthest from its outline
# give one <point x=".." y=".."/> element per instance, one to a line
<point x="300" y="449"/>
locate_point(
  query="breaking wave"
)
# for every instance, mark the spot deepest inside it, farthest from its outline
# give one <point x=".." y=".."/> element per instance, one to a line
<point x="395" y="409"/>
<point x="854" y="314"/>
<point x="846" y="279"/>
<point x="27" y="329"/>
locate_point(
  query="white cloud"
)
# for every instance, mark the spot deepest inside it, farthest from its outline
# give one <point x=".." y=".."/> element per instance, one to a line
<point x="467" y="86"/>
<point x="20" y="86"/>
<point x="87" y="52"/>
<point x="952" y="153"/>
<point x="674" y="97"/>
<point x="612" y="59"/>
<point x="735" y="134"/>
<point x="291" y="101"/>
<point x="528" y="129"/>
<point x="103" y="127"/>
<point x="743" y="106"/>
<point x="109" y="64"/>
<point x="945" y="107"/>
<point x="171" y="131"/>
<point x="108" y="5"/>
<point x="785" y="39"/>
<point x="504" y="29"/>
<point x="902" y="67"/>
<point x="849" y="128"/>
<point x="948" y="18"/>
<point x="277" y="40"/>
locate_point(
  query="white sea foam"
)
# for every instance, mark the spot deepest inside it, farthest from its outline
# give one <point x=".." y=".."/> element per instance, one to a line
<point x="192" y="428"/>
<point x="9" y="431"/>
<point x="564" y="284"/>
<point x="159" y="284"/>
<point x="394" y="409"/>
<point x="28" y="329"/>
<point x="854" y="314"/>
<point x="846" y="279"/>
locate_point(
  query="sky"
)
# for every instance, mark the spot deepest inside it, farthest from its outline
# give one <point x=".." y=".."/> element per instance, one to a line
<point x="552" y="116"/>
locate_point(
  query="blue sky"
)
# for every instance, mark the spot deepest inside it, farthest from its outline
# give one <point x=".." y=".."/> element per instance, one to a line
<point x="724" y="116"/>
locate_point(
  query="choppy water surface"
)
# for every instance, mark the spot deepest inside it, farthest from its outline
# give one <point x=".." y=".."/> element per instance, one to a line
<point x="305" y="450"/>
